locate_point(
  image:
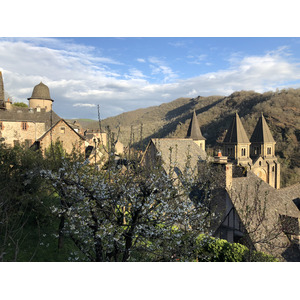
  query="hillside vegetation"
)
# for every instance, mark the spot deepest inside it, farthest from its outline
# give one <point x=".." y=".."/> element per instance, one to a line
<point x="281" y="110"/>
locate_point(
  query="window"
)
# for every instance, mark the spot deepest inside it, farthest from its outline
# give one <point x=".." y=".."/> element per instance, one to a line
<point x="256" y="151"/>
<point x="273" y="169"/>
<point x="62" y="130"/>
<point x="24" y="125"/>
<point x="1" y="126"/>
<point x="243" y="151"/>
<point x="269" y="150"/>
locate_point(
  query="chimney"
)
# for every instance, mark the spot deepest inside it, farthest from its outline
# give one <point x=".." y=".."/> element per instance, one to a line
<point x="228" y="175"/>
<point x="8" y="104"/>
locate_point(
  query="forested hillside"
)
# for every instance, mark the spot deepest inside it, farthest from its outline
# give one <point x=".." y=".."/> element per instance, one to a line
<point x="281" y="110"/>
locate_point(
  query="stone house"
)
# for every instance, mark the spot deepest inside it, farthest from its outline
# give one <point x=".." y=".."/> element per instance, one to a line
<point x="37" y="125"/>
<point x="65" y="134"/>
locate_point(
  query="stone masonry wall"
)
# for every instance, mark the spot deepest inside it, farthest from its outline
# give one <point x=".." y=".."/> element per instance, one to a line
<point x="66" y="136"/>
<point x="14" y="132"/>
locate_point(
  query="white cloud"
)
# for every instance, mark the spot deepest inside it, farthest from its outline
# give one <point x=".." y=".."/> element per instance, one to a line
<point x="84" y="105"/>
<point x="198" y="59"/>
<point x="79" y="78"/>
<point x="160" y="67"/>
<point x="135" y="73"/>
<point x="141" y="60"/>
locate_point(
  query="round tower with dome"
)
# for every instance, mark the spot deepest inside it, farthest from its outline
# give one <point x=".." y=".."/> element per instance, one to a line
<point x="40" y="98"/>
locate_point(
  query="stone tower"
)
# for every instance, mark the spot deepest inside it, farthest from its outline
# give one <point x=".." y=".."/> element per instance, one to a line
<point x="194" y="132"/>
<point x="262" y="151"/>
<point x="236" y="143"/>
<point x="262" y="141"/>
<point x="2" y="96"/>
<point x="40" y="98"/>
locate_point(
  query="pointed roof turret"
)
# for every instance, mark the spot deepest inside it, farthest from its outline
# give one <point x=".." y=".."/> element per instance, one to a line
<point x="2" y="100"/>
<point x="236" y="132"/>
<point x="194" y="131"/>
<point x="262" y="133"/>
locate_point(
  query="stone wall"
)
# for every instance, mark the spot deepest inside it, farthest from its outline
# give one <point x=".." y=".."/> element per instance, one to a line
<point x="21" y="132"/>
<point x="67" y="136"/>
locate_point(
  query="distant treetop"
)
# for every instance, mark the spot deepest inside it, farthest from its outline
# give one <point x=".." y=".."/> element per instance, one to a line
<point x="20" y="104"/>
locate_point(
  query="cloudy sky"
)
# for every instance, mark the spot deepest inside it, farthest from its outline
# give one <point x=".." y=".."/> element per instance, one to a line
<point x="123" y="74"/>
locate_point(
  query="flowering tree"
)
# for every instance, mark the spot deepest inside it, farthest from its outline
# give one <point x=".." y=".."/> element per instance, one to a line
<point x="127" y="213"/>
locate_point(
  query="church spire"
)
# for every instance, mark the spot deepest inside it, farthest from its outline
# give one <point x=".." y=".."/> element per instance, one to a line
<point x="262" y="141"/>
<point x="236" y="142"/>
<point x="262" y="133"/>
<point x="194" y="131"/>
<point x="2" y="100"/>
<point x="236" y="133"/>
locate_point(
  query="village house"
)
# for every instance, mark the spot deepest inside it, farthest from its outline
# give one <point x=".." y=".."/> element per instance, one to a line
<point x="38" y="126"/>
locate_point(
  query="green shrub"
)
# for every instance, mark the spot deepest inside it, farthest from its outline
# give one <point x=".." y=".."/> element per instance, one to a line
<point x="211" y="249"/>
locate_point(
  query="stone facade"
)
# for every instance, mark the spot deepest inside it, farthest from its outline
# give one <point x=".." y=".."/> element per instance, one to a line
<point x="19" y="132"/>
<point x="63" y="133"/>
<point x="256" y="154"/>
<point x="36" y="126"/>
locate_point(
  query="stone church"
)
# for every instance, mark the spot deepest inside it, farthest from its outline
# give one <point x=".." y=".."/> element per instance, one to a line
<point x="251" y="180"/>
<point x="256" y="154"/>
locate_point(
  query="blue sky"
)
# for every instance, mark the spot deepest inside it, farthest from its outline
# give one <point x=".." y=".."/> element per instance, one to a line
<point x="123" y="74"/>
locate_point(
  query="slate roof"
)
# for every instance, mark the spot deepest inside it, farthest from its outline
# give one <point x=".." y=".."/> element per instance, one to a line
<point x="236" y="132"/>
<point x="25" y="114"/>
<point x="194" y="131"/>
<point x="278" y="203"/>
<point x="41" y="91"/>
<point x="2" y="100"/>
<point x="180" y="150"/>
<point x="262" y="133"/>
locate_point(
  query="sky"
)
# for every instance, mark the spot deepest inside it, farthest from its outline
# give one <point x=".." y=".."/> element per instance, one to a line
<point x="124" y="74"/>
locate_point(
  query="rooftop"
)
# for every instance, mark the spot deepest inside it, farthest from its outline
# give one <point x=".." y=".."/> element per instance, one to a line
<point x="236" y="132"/>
